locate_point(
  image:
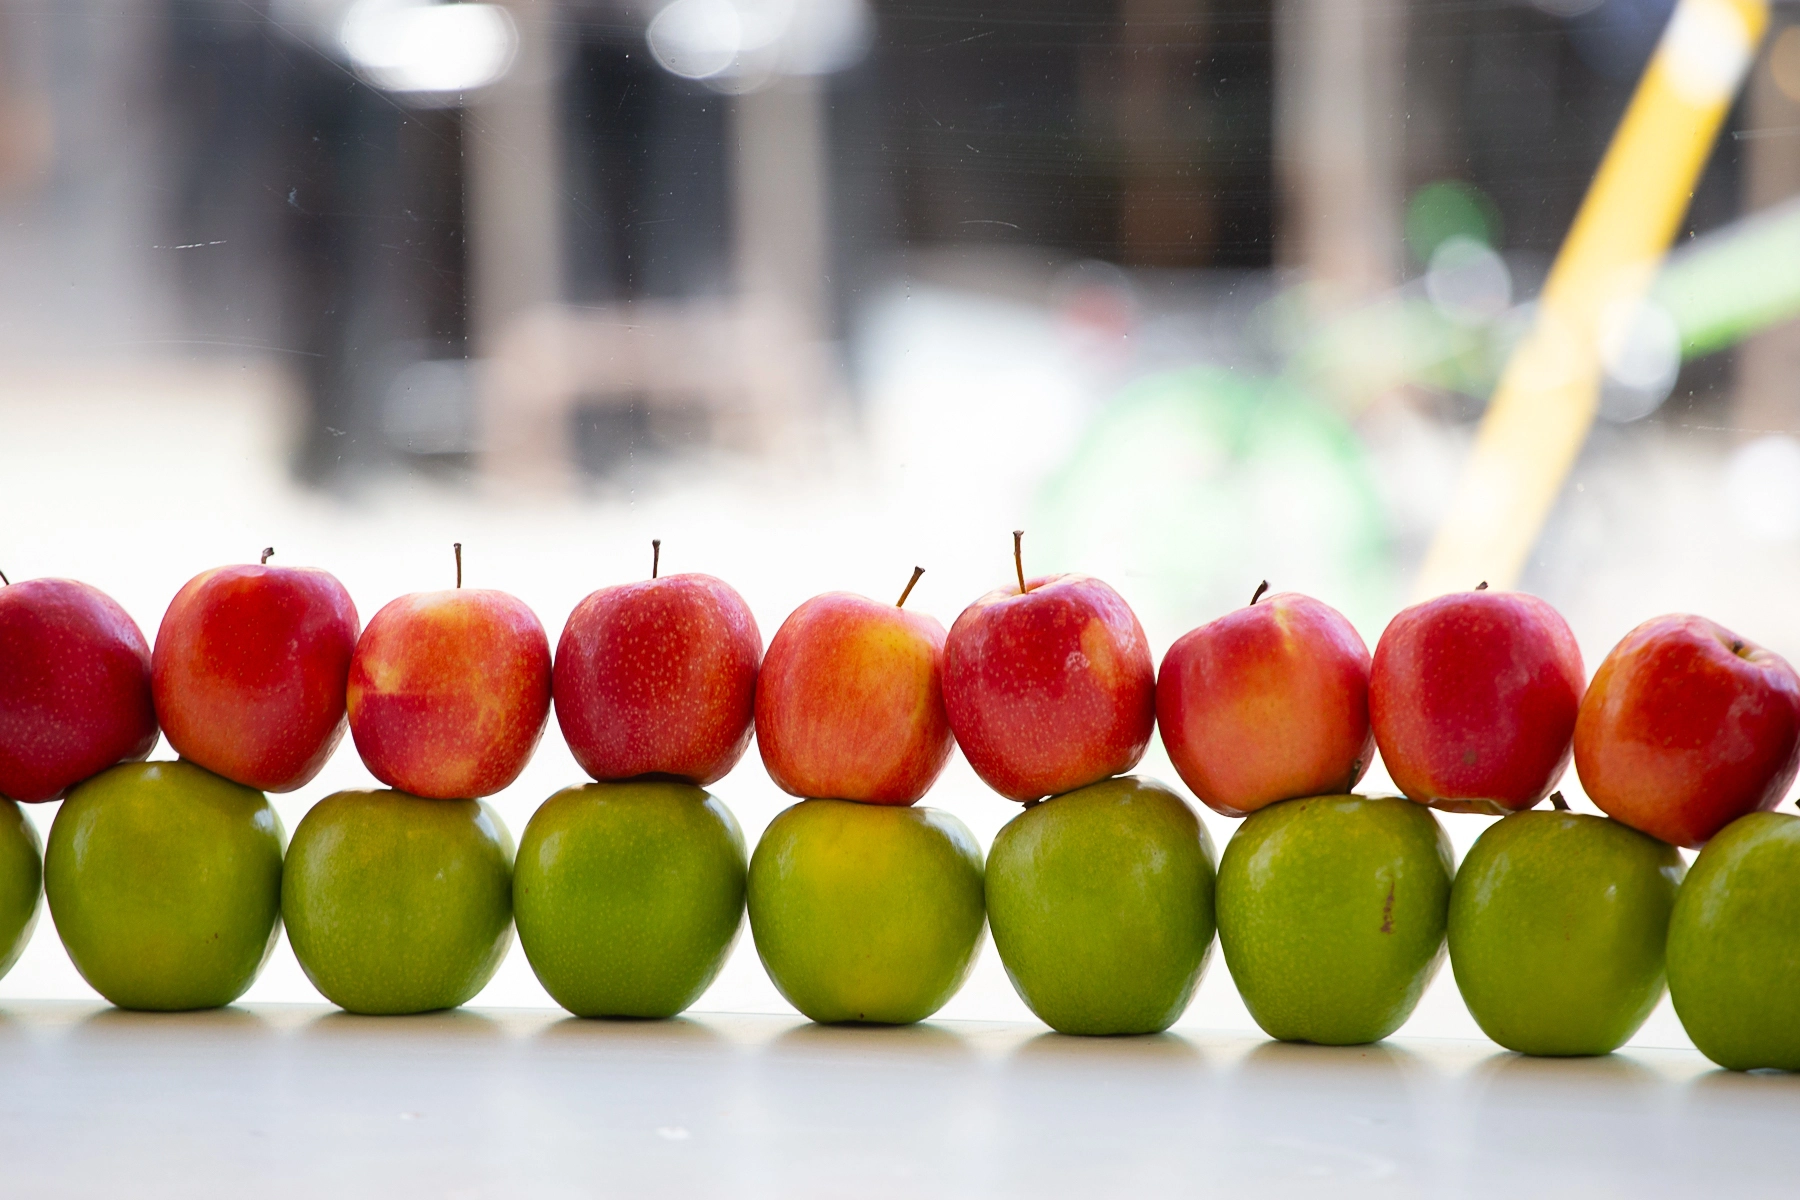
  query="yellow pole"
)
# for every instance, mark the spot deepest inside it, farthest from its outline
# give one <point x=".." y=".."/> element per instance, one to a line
<point x="1547" y="398"/>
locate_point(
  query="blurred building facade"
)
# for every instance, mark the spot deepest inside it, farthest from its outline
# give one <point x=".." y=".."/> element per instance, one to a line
<point x="598" y="240"/>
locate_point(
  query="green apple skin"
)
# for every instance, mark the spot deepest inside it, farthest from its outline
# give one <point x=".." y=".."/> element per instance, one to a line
<point x="1734" y="959"/>
<point x="21" y="882"/>
<point x="1331" y="915"/>
<point x="1101" y="905"/>
<point x="397" y="904"/>
<point x="164" y="881"/>
<point x="628" y="896"/>
<point x="865" y="912"/>
<point x="1557" y="927"/>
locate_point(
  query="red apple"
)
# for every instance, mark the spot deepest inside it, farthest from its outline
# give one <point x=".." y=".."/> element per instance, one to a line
<point x="658" y="678"/>
<point x="1686" y="728"/>
<point x="74" y="687"/>
<point x="1268" y="703"/>
<point x="1049" y="685"/>
<point x="1473" y="698"/>
<point x="850" y="702"/>
<point x="249" y="672"/>
<point x="449" y="691"/>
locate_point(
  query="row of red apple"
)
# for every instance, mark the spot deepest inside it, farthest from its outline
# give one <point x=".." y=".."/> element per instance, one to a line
<point x="1475" y="699"/>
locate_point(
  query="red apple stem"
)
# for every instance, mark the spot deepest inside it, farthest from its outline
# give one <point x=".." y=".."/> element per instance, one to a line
<point x="4" y="579"/>
<point x="268" y="553"/>
<point x="1482" y="586"/>
<point x="1019" y="558"/>
<point x="456" y="548"/>
<point x="1258" y="593"/>
<point x="901" y="602"/>
<point x="1558" y="803"/>
<point x="655" y="556"/>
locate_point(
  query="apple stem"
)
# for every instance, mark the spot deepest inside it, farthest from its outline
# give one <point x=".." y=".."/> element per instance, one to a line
<point x="1258" y="593"/>
<point x="1482" y="586"/>
<point x="268" y="552"/>
<point x="4" y="579"/>
<point x="901" y="602"/>
<point x="1019" y="558"/>
<point x="456" y="548"/>
<point x="1558" y="803"/>
<point x="655" y="556"/>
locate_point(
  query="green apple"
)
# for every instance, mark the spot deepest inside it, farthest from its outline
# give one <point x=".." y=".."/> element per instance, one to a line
<point x="21" y="882"/>
<point x="866" y="912"/>
<point x="628" y="896"/>
<point x="164" y="881"/>
<point x="1101" y="903"/>
<point x="1331" y="915"/>
<point x="397" y="904"/>
<point x="1734" y="959"/>
<point x="1557" y="925"/>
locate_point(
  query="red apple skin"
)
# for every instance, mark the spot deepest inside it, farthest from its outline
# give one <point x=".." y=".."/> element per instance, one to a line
<point x="1049" y="689"/>
<point x="449" y="692"/>
<point x="658" y="679"/>
<point x="1473" y="698"/>
<point x="1687" y="727"/>
<point x="850" y="702"/>
<point x="1267" y="703"/>
<point x="74" y="688"/>
<point x="249" y="672"/>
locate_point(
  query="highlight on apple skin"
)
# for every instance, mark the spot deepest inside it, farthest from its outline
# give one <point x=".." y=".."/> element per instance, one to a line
<point x="850" y="701"/>
<point x="449" y="692"/>
<point x="658" y="678"/>
<point x="76" y="694"/>
<point x="1267" y="703"/>
<point x="1687" y="727"/>
<point x="250" y="670"/>
<point x="1473" y="697"/>
<point x="1049" y="685"/>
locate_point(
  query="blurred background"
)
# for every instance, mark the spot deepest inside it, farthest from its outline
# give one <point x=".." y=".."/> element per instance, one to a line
<point x="1196" y="292"/>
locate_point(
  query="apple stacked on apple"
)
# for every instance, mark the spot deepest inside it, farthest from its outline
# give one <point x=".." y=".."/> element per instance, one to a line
<point x="164" y="878"/>
<point x="862" y="908"/>
<point x="401" y="901"/>
<point x="1473" y="699"/>
<point x="1687" y="727"/>
<point x="249" y="672"/>
<point x="1100" y="898"/>
<point x="629" y="891"/>
<point x="74" y="687"/>
<point x="1267" y="703"/>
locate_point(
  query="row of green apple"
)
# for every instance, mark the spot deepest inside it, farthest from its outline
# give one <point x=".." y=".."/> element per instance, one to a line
<point x="1100" y="894"/>
<point x="168" y="886"/>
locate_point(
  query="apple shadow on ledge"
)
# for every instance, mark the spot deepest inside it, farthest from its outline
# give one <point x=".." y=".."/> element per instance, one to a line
<point x="339" y="1028"/>
<point x="603" y="1033"/>
<point x="1758" y="1087"/>
<point x="1141" y="1051"/>
<point x="109" y="1023"/>
<point x="811" y="1043"/>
